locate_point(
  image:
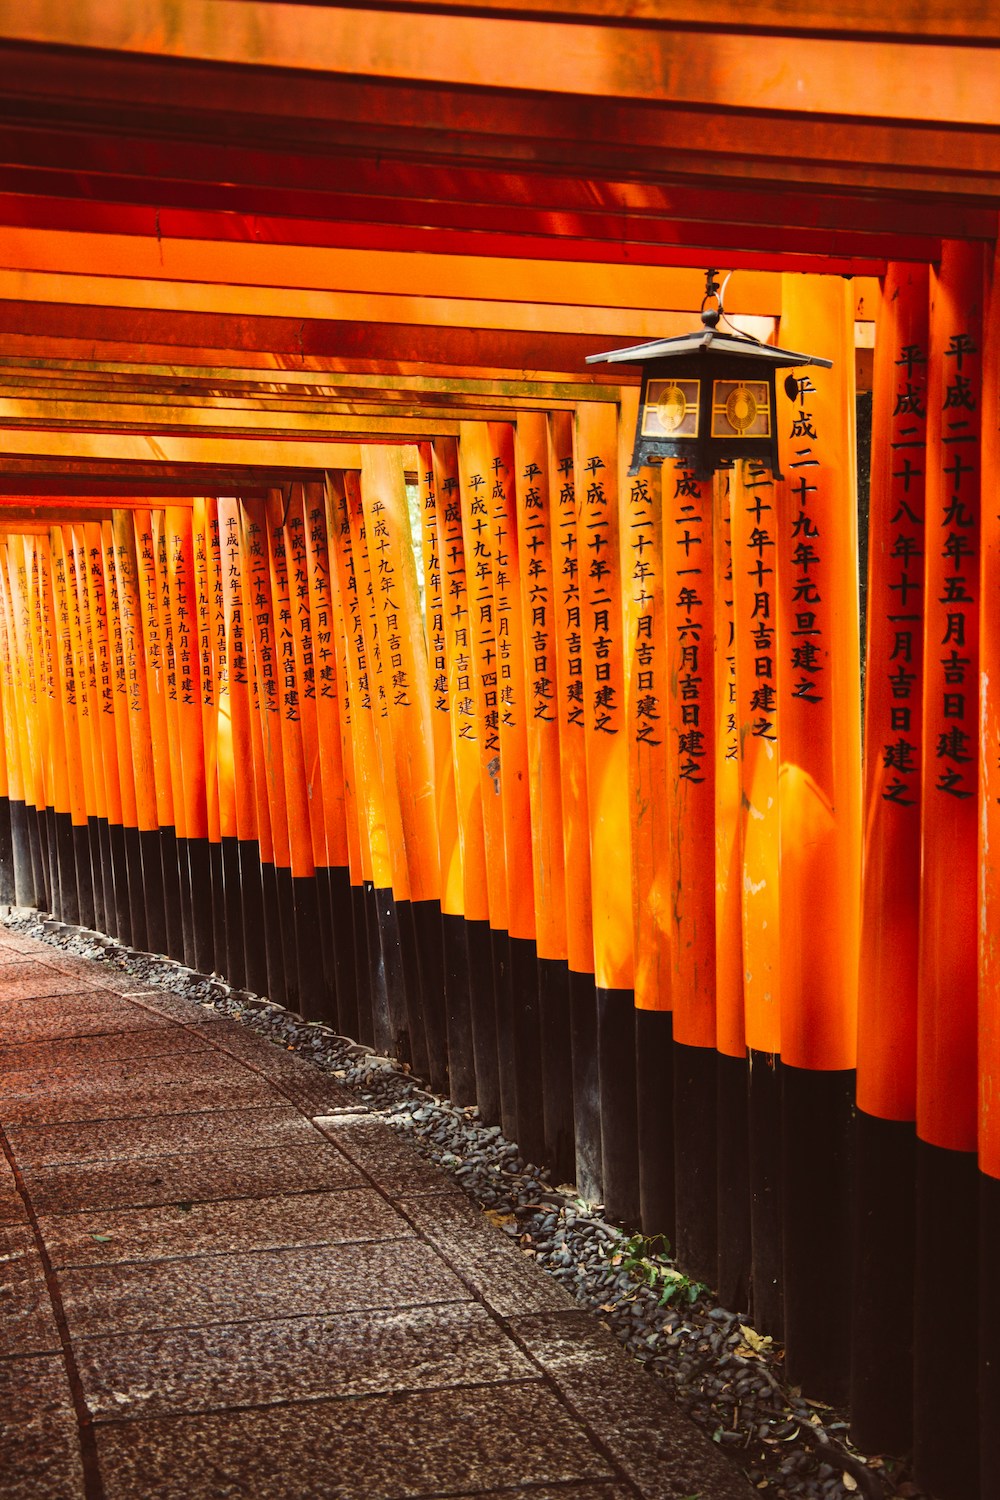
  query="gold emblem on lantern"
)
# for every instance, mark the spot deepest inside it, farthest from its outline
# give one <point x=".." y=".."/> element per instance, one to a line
<point x="670" y="408"/>
<point x="741" y="409"/>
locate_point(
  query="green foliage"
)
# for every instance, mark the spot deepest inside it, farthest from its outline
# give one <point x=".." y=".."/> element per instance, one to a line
<point x="646" y="1259"/>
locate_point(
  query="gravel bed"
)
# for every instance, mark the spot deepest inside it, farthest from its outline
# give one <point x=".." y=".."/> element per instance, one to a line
<point x="726" y="1376"/>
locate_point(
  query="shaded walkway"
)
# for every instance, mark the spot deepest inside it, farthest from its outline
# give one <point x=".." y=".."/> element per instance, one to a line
<point x="219" y="1277"/>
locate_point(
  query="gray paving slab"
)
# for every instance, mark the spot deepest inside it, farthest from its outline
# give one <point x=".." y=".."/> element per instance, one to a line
<point x="347" y="1216"/>
<point x="12" y="1209"/>
<point x="379" y="1447"/>
<point x="261" y="1363"/>
<point x="304" y="1085"/>
<point x="83" y="1053"/>
<point x="42" y="980"/>
<point x="234" y="1171"/>
<point x="309" y="1280"/>
<point x="186" y="1085"/>
<point x="633" y="1416"/>
<point x="73" y="1014"/>
<point x="176" y="1007"/>
<point x="39" y="1442"/>
<point x="27" y="1323"/>
<point x="495" y="1269"/>
<point x="385" y="1154"/>
<point x="158" y="1135"/>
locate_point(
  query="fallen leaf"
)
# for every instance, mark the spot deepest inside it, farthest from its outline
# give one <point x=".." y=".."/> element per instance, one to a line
<point x="102" y="1239"/>
<point x="849" y="1481"/>
<point x="757" y="1341"/>
<point x="499" y="1219"/>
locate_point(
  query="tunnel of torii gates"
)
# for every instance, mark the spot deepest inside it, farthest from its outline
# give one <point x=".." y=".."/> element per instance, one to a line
<point x="550" y="781"/>
<point x="342" y="656"/>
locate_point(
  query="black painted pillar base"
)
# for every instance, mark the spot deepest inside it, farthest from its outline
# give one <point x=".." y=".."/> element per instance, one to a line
<point x="84" y="875"/>
<point x="362" y="965"/>
<point x="314" y="998"/>
<point x="556" y="1041"/>
<point x="203" y="927"/>
<point x="341" y="910"/>
<point x="53" y="855"/>
<point x="945" y="1335"/>
<point x="38" y="881"/>
<point x="234" y="961"/>
<point x="274" y="955"/>
<point x="884" y="1243"/>
<point x="430" y="969"/>
<point x="40" y="856"/>
<point x="328" y="945"/>
<point x="586" y="1087"/>
<point x="95" y="835"/>
<point x="412" y="993"/>
<point x="187" y="915"/>
<point x="8" y="891"/>
<point x="382" y="1032"/>
<point x="527" y="1039"/>
<point x="816" y="1188"/>
<point x="248" y="937"/>
<point x="69" y="893"/>
<point x="654" y="1071"/>
<point x="136" y="892"/>
<point x="695" y="1166"/>
<point x="504" y="1002"/>
<point x="989" y="1334"/>
<point x="484" y="1019"/>
<point x="24" y="875"/>
<point x="172" y="900"/>
<point x="119" y="866"/>
<point x="733" y="1183"/>
<point x="285" y="914"/>
<point x="458" y="1009"/>
<point x="152" y="884"/>
<point x="767" y="1263"/>
<point x="618" y="1103"/>
<point x="220" y="934"/>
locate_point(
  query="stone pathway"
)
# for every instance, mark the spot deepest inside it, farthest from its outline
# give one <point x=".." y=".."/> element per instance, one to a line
<point x="219" y="1277"/>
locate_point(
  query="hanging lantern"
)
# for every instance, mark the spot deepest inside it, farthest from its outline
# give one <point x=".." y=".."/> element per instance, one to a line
<point x="707" y="397"/>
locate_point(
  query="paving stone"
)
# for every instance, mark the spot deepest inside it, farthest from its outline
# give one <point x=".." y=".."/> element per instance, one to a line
<point x="309" y="1089"/>
<point x="573" y="1490"/>
<point x="39" y="1443"/>
<point x="176" y="1007"/>
<point x="16" y="942"/>
<point x="74" y="1014"/>
<point x="41" y="981"/>
<point x="12" y="1209"/>
<point x="27" y="1323"/>
<point x="179" y="1082"/>
<point x="493" y="1266"/>
<point x="305" y="1280"/>
<point x="350" y="1215"/>
<point x="18" y="966"/>
<point x="86" y="1052"/>
<point x="157" y="1135"/>
<point x="235" y="1171"/>
<point x="628" y="1410"/>
<point x="378" y="1447"/>
<point x="302" y="1358"/>
<point x="388" y="1157"/>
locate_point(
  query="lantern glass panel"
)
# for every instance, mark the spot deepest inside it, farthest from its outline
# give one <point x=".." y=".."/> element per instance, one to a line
<point x="741" y="409"/>
<point x="670" y="409"/>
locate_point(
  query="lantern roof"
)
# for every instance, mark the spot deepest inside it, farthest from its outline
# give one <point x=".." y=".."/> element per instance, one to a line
<point x="706" y="341"/>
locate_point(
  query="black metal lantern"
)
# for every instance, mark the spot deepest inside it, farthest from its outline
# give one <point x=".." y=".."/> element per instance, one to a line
<point x="707" y="398"/>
